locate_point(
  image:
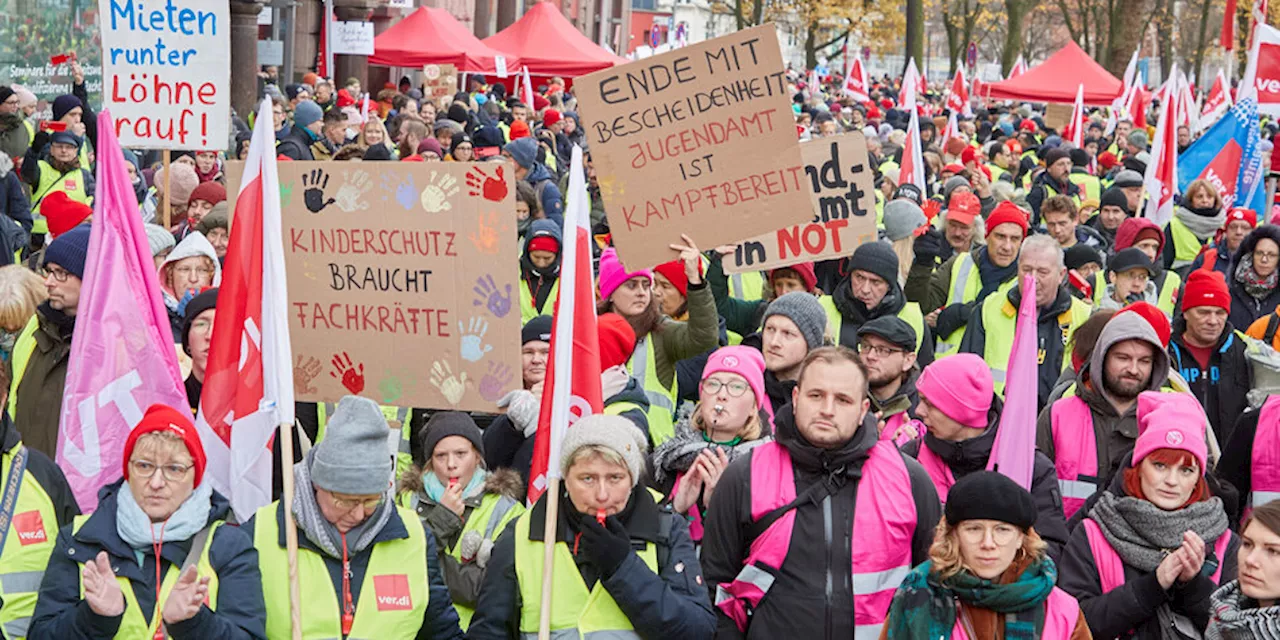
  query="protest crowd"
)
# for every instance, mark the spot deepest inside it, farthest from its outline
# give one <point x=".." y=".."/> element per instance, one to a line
<point x="1031" y="401"/>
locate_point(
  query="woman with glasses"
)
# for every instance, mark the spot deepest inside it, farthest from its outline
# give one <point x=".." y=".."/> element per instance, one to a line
<point x="732" y="417"/>
<point x="1254" y="290"/>
<point x="190" y="268"/>
<point x="367" y="568"/>
<point x="155" y="558"/>
<point x="988" y="575"/>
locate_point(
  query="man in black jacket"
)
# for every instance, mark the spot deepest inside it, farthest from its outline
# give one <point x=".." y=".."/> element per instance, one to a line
<point x="828" y="433"/>
<point x="1208" y="352"/>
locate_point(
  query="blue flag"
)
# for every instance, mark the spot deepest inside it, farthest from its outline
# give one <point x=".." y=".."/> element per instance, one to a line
<point x="1229" y="157"/>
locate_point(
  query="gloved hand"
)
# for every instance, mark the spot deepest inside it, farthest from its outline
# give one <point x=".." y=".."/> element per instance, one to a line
<point x="954" y="317"/>
<point x="606" y="547"/>
<point x="469" y="545"/>
<point x="522" y="408"/>
<point x="41" y="140"/>
<point x="930" y="246"/>
<point x="486" y="550"/>
<point x="186" y="299"/>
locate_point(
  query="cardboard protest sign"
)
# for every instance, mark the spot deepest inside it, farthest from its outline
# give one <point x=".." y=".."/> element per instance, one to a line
<point x="838" y="175"/>
<point x="699" y="141"/>
<point x="166" y="67"/>
<point x="401" y="287"/>
<point x="1057" y="116"/>
<point x="440" y="80"/>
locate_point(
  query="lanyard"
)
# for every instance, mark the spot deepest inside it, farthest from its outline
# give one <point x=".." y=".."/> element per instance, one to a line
<point x="9" y="499"/>
<point x="156" y="546"/>
<point x="348" y="609"/>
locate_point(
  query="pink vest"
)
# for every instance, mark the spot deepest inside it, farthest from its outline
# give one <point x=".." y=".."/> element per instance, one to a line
<point x="1075" y="452"/>
<point x="1111" y="567"/>
<point x="1265" y="466"/>
<point x="883" y="524"/>
<point x="694" y="515"/>
<point x="938" y="471"/>
<point x="1061" y="611"/>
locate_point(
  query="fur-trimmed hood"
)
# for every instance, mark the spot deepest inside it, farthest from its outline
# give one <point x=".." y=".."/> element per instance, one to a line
<point x="504" y="482"/>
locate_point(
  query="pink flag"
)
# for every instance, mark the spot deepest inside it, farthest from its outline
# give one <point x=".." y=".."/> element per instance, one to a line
<point x="123" y="358"/>
<point x="1014" y="451"/>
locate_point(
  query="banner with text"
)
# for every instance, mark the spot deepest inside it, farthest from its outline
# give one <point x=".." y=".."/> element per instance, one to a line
<point x="838" y="175"/>
<point x="36" y="42"/>
<point x="1262" y="73"/>
<point x="166" y="68"/>
<point x="698" y="141"/>
<point x="413" y="306"/>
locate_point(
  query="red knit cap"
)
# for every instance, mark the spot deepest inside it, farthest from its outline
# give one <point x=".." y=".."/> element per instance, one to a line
<point x="210" y="191"/>
<point x="345" y="99"/>
<point x="803" y="269"/>
<point x="164" y="418"/>
<point x="1154" y="317"/>
<point x="1242" y="214"/>
<point x="519" y="129"/>
<point x="544" y="243"/>
<point x="969" y="154"/>
<point x="550" y="118"/>
<point x="617" y="340"/>
<point x="1206" y="288"/>
<point x="674" y="272"/>
<point x="1007" y="212"/>
<point x="62" y="213"/>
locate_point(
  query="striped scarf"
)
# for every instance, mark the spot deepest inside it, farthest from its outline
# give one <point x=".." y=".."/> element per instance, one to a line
<point x="925" y="606"/>
<point x="1237" y="617"/>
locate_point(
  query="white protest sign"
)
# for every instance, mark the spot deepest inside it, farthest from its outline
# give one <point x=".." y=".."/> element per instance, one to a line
<point x="353" y="38"/>
<point x="501" y="63"/>
<point x="166" y="69"/>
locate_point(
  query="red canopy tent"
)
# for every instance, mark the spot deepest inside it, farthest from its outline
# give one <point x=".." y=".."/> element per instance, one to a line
<point x="547" y="43"/>
<point x="1056" y="80"/>
<point x="433" y="36"/>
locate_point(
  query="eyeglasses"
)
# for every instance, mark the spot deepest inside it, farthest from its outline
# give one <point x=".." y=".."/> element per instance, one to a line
<point x="172" y="472"/>
<point x="735" y="388"/>
<point x="347" y="504"/>
<point x="1269" y="256"/>
<point x="202" y="326"/>
<point x="187" y="272"/>
<point x="880" y="351"/>
<point x="58" y="273"/>
<point x="974" y="533"/>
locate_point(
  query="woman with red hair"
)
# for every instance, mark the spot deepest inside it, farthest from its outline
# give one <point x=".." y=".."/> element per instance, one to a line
<point x="1155" y="545"/>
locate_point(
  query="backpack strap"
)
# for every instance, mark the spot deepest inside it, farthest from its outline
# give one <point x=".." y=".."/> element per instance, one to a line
<point x="816" y="493"/>
<point x="197" y="546"/>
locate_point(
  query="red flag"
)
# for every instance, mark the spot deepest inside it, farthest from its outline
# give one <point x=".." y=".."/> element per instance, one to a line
<point x="958" y="98"/>
<point x="571" y="390"/>
<point x="1217" y="102"/>
<point x="855" y="82"/>
<point x="1161" y="180"/>
<point x="1228" y="38"/>
<point x="1139" y="99"/>
<point x="1019" y="67"/>
<point x="1075" y="128"/>
<point x="912" y="169"/>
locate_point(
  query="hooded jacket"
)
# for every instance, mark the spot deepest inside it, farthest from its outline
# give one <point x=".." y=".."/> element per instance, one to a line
<point x="971" y="455"/>
<point x="539" y="282"/>
<point x="195" y="244"/>
<point x="1244" y="307"/>
<point x="550" y="198"/>
<point x="296" y="143"/>
<point x="15" y="233"/>
<point x="38" y="403"/>
<point x="855" y="314"/>
<point x="1221" y="387"/>
<point x="1133" y="605"/>
<point x="812" y="596"/>
<point x="1115" y="432"/>
<point x="62" y="613"/>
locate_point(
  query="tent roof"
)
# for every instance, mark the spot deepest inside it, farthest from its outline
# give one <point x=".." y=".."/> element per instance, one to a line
<point x="434" y="36"/>
<point x="547" y="43"/>
<point x="1056" y="80"/>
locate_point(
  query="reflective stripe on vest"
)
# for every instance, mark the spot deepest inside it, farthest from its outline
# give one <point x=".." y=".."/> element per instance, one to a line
<point x="1186" y="246"/>
<point x="393" y="596"/>
<point x="1000" y="319"/>
<point x="1061" y="614"/>
<point x="1075" y="452"/>
<point x="575" y="610"/>
<point x="23" y="347"/>
<point x="662" y="400"/>
<point x="32" y="534"/>
<point x="1264" y="466"/>
<point x="883" y="526"/>
<point x="965" y="286"/>
<point x="748" y="285"/>
<point x="490" y="519"/>
<point x="1111" y="567"/>
<point x="1090" y="187"/>
<point x="133" y="624"/>
<point x="910" y="314"/>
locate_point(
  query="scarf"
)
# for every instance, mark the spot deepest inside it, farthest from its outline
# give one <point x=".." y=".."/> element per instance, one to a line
<point x="677" y="454"/>
<point x="925" y="605"/>
<point x="320" y="531"/>
<point x="1204" y="223"/>
<point x="135" y="527"/>
<point x="1253" y="284"/>
<point x="1233" y="616"/>
<point x="435" y="489"/>
<point x="1143" y="534"/>
<point x="991" y="275"/>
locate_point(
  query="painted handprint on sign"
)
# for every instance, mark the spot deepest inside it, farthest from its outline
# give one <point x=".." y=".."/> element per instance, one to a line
<point x="314" y="184"/>
<point x="441" y="187"/>
<point x="349" y="375"/>
<point x="450" y="385"/>
<point x="487" y="294"/>
<point x="486" y="237"/>
<point x="349" y="195"/>
<point x="473" y="347"/>
<point x="303" y="373"/>
<point x="402" y="191"/>
<point x="492" y="188"/>
<point x="286" y="193"/>
<point x="390" y="389"/>
<point x="494" y="384"/>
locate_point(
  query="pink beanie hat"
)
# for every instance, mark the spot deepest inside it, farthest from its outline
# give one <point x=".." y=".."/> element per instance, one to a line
<point x="746" y="362"/>
<point x="1170" y="421"/>
<point x="959" y="386"/>
<point x="613" y="274"/>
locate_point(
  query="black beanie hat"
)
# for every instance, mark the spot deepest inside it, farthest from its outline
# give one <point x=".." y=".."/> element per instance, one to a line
<point x="1055" y="154"/>
<point x="1116" y="198"/>
<point x="204" y="301"/>
<point x="1081" y="254"/>
<point x="877" y="258"/>
<point x="988" y="495"/>
<point x="450" y="423"/>
<point x="1079" y="157"/>
<point x="537" y="328"/>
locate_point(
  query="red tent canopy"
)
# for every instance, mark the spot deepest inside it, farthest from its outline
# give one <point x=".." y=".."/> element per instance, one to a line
<point x="547" y="43"/>
<point x="1056" y="80"/>
<point x="433" y="36"/>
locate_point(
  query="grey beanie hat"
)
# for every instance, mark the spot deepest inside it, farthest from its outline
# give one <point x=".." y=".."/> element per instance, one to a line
<point x="901" y="218"/>
<point x="1128" y="178"/>
<point x="1138" y="138"/>
<point x="353" y="457"/>
<point x="159" y="238"/>
<point x="953" y="183"/>
<point x="802" y="308"/>
<point x="612" y="432"/>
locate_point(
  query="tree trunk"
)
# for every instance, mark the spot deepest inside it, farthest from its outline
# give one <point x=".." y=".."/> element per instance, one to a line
<point x="1125" y="32"/>
<point x="1016" y="13"/>
<point x="739" y="15"/>
<point x="953" y="46"/>
<point x="757" y="12"/>
<point x="1165" y="26"/>
<point x="915" y="32"/>
<point x="1201" y="43"/>
<point x="811" y="47"/>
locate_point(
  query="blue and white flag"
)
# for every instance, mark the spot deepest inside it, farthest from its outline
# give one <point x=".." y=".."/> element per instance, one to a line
<point x="1229" y="157"/>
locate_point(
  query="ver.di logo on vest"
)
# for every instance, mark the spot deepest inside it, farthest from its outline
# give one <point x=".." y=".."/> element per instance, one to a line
<point x="392" y="592"/>
<point x="30" y="528"/>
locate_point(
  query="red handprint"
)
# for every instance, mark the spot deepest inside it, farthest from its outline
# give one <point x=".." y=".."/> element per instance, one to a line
<point x="347" y="373"/>
<point x="492" y="188"/>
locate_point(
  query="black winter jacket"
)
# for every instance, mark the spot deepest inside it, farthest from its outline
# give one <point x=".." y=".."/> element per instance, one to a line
<point x="1222" y="385"/>
<point x="44" y="470"/>
<point x="812" y="596"/>
<point x="854" y="314"/>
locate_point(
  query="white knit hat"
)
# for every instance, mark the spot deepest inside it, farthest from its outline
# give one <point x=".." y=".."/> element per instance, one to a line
<point x="612" y="432"/>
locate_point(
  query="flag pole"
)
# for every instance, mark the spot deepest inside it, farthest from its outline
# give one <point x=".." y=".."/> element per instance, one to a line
<point x="290" y="530"/>
<point x="548" y="554"/>
<point x="168" y="180"/>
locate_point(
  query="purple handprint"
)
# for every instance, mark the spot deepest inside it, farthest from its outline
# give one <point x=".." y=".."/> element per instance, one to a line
<point x="406" y="194"/>
<point x="494" y="384"/>
<point x="487" y="294"/>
